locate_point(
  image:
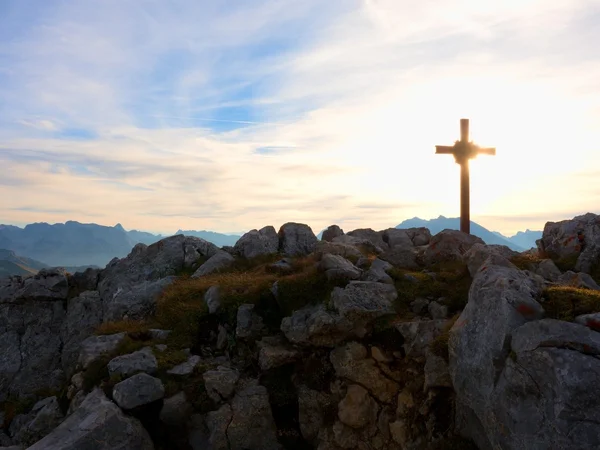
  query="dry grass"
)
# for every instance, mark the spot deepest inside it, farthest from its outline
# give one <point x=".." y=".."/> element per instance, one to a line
<point x="127" y="326"/>
<point x="525" y="261"/>
<point x="566" y="303"/>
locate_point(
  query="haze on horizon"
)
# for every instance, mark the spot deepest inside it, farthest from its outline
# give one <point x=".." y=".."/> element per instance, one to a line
<point x="193" y="115"/>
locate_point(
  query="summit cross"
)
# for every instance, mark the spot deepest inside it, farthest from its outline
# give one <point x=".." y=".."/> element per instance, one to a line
<point x="463" y="151"/>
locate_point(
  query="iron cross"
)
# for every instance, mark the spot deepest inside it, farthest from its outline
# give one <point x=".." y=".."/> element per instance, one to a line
<point x="463" y="151"/>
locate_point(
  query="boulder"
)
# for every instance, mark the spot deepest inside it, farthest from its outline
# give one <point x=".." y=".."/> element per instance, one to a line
<point x="95" y="347"/>
<point x="217" y="423"/>
<point x="314" y="325"/>
<point x="140" y="361"/>
<point x="249" y="324"/>
<point x="257" y="242"/>
<point x="378" y="272"/>
<point x="97" y="424"/>
<point x="84" y="314"/>
<point x="578" y="280"/>
<point x="574" y="242"/>
<point x="419" y="334"/>
<point x="395" y="237"/>
<point x="216" y="263"/>
<point x="312" y="410"/>
<point x="403" y="257"/>
<point x="47" y="285"/>
<point x="437" y="311"/>
<point x="212" y="298"/>
<point x="337" y="248"/>
<point x="141" y="389"/>
<point x="436" y="372"/>
<point x="44" y="417"/>
<point x="501" y="299"/>
<point x="185" y="368"/>
<point x="478" y="253"/>
<point x="351" y="362"/>
<point x="296" y="239"/>
<point x="274" y="351"/>
<point x="176" y="410"/>
<point x="339" y="268"/>
<point x="252" y="426"/>
<point x="357" y="242"/>
<point x="357" y="409"/>
<point x="332" y="232"/>
<point x="220" y="383"/>
<point x="449" y="246"/>
<point x="130" y="286"/>
<point x="369" y="235"/>
<point x="84" y="281"/>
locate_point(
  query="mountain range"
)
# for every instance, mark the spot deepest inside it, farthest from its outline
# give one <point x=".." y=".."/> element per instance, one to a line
<point x="523" y="240"/>
<point x="75" y="245"/>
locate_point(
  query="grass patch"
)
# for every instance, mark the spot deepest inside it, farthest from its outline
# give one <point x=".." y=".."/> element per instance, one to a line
<point x="170" y="358"/>
<point x="525" y="261"/>
<point x="124" y="326"/>
<point x="566" y="303"/>
<point x="452" y="283"/>
<point x="439" y="346"/>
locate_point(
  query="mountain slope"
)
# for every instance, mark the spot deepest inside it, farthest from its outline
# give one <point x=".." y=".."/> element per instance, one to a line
<point x="453" y="223"/>
<point x="12" y="264"/>
<point x="526" y="239"/>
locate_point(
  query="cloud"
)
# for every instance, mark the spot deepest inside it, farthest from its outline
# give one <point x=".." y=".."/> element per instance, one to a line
<point x="201" y="115"/>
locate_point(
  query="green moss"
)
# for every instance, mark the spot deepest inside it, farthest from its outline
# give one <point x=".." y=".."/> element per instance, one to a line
<point x="169" y="358"/>
<point x="566" y="303"/>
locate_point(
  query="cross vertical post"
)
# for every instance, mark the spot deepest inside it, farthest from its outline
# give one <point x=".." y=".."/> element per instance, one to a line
<point x="463" y="151"/>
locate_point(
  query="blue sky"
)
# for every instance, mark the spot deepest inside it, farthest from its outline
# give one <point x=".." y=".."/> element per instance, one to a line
<point x="233" y="115"/>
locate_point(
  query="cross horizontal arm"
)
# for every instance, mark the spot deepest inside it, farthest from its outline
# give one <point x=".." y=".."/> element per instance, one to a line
<point x="486" y="151"/>
<point x="444" y="150"/>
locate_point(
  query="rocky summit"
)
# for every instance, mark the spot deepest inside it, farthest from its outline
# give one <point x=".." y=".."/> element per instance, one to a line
<point x="395" y="339"/>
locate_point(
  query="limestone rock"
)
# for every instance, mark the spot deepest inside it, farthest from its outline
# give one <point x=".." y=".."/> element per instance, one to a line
<point x="252" y="426"/>
<point x="95" y="347"/>
<point x="85" y="281"/>
<point x="437" y="311"/>
<point x="357" y="409"/>
<point x="176" y="410"/>
<point x="212" y="298"/>
<point x="249" y="324"/>
<point x="312" y="408"/>
<point x="296" y="239"/>
<point x="99" y="424"/>
<point x="47" y="285"/>
<point x="436" y="372"/>
<point x="140" y="361"/>
<point x="395" y="237"/>
<point x="578" y="280"/>
<point x="419" y="334"/>
<point x="338" y="268"/>
<point x="358" y="242"/>
<point x="220" y="383"/>
<point x="44" y="417"/>
<point x="378" y="272"/>
<point x="332" y="232"/>
<point x="351" y="362"/>
<point x="275" y="352"/>
<point x="216" y="263"/>
<point x="449" y="246"/>
<point x="477" y="255"/>
<point x="257" y="242"/>
<point x="185" y="368"/>
<point x="369" y="235"/>
<point x="160" y="335"/>
<point x="589" y="320"/>
<point x="138" y="390"/>
<point x="84" y="314"/>
<point x="217" y="423"/>
<point x="548" y="270"/>
<point x="337" y="248"/>
<point x="403" y="257"/>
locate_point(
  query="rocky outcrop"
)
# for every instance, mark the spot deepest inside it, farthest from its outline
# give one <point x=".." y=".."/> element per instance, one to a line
<point x="332" y="232"/>
<point x="257" y="242"/>
<point x="139" y="390"/>
<point x="449" y="246"/>
<point x="573" y="243"/>
<point x="339" y="268"/>
<point x="216" y="263"/>
<point x="99" y="424"/>
<point x="296" y="239"/>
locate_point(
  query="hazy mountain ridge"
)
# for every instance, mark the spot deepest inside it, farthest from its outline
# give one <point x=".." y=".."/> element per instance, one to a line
<point x="520" y="242"/>
<point x="219" y="239"/>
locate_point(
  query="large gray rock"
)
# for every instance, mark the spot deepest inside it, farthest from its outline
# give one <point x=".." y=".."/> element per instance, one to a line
<point x="84" y="314"/>
<point x="404" y="257"/>
<point x="129" y="286"/>
<point x="337" y="248"/>
<point x="257" y="242"/>
<point x="575" y="240"/>
<point x="216" y="263"/>
<point x="369" y="235"/>
<point x="30" y="345"/>
<point x="97" y="424"/>
<point x="378" y="272"/>
<point x="140" y="361"/>
<point x="274" y="351"/>
<point x="46" y="286"/>
<point x="185" y="368"/>
<point x="359" y="242"/>
<point x="449" y="246"/>
<point x="314" y="325"/>
<point x="296" y="239"/>
<point x="212" y="298"/>
<point x="419" y="334"/>
<point x="249" y="324"/>
<point x="44" y="417"/>
<point x="332" y="232"/>
<point x="220" y="383"/>
<point x="478" y="253"/>
<point x="312" y="411"/>
<point x="96" y="347"/>
<point x="339" y="268"/>
<point x="395" y="237"/>
<point x="578" y="280"/>
<point x="139" y="390"/>
<point x="361" y="302"/>
<point x="252" y="426"/>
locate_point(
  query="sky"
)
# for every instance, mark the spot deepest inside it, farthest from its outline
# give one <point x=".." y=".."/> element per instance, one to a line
<point x="228" y="116"/>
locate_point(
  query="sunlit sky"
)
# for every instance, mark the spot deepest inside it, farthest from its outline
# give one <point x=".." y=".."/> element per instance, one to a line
<point x="228" y="116"/>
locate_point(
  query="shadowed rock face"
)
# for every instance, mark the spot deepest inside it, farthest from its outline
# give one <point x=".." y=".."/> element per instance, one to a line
<point x="99" y="424"/>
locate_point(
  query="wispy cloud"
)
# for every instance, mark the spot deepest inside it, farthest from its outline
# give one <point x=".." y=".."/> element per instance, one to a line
<point x="212" y="116"/>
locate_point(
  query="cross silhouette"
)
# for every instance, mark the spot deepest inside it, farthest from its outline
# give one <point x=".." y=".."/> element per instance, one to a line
<point x="463" y="151"/>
